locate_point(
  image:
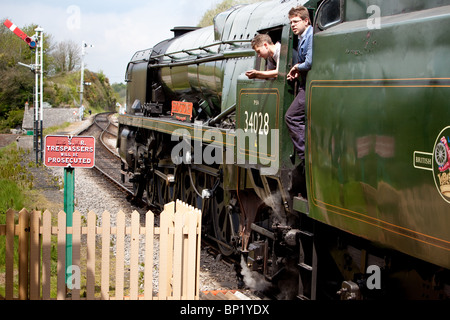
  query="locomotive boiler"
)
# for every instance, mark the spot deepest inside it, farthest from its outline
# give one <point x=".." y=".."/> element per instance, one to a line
<point x="376" y="219"/>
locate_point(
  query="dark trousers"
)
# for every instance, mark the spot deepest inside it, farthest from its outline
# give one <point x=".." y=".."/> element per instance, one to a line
<point x="295" y="121"/>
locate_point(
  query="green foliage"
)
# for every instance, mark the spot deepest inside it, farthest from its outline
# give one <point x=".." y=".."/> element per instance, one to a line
<point x="10" y="196"/>
<point x="14" y="178"/>
<point x="99" y="94"/>
<point x="13" y="119"/>
<point x="120" y="89"/>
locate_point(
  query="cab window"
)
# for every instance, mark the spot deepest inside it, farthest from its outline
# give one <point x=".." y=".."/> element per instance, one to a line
<point x="329" y="13"/>
<point x="275" y="34"/>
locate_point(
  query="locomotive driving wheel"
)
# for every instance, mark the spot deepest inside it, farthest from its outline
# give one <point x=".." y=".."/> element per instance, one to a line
<point x="186" y="190"/>
<point x="138" y="188"/>
<point x="222" y="222"/>
<point x="138" y="179"/>
<point x="163" y="187"/>
<point x="151" y="190"/>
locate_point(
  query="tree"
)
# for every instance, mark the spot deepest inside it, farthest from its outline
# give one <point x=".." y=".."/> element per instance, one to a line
<point x="17" y="82"/>
<point x="66" y="57"/>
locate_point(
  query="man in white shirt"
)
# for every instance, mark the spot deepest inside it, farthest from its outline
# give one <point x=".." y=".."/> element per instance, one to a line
<point x="264" y="47"/>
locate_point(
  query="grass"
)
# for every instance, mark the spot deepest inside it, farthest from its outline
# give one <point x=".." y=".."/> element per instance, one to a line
<point x="16" y="192"/>
<point x="54" y="129"/>
<point x="14" y="180"/>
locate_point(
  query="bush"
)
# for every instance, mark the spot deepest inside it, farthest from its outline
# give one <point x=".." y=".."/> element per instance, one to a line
<point x="13" y="120"/>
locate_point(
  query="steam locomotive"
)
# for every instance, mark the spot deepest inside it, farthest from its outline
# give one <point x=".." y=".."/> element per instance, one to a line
<point x="376" y="220"/>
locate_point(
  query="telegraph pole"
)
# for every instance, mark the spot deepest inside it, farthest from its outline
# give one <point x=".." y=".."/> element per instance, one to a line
<point x="83" y="53"/>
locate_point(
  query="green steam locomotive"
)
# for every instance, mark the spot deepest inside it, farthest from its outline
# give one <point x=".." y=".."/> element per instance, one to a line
<point x="376" y="219"/>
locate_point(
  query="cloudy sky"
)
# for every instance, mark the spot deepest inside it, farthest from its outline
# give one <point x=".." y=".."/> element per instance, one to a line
<point x="116" y="28"/>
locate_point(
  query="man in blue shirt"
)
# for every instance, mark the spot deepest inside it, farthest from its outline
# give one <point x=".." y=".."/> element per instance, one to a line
<point x="295" y="116"/>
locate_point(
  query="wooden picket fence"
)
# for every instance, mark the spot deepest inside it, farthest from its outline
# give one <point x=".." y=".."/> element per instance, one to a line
<point x="179" y="235"/>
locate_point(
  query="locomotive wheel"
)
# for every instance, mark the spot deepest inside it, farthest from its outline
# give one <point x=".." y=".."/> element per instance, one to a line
<point x="186" y="191"/>
<point x="221" y="222"/>
<point x="139" y="181"/>
<point x="151" y="190"/>
<point x="164" y="191"/>
<point x="138" y="188"/>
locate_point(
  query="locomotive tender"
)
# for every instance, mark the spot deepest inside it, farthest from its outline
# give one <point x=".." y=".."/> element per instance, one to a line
<point x="376" y="219"/>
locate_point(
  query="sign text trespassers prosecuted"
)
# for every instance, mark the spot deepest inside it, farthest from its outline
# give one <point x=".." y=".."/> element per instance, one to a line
<point x="65" y="151"/>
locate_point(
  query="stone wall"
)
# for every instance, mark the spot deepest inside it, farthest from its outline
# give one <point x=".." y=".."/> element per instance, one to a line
<point x="52" y="117"/>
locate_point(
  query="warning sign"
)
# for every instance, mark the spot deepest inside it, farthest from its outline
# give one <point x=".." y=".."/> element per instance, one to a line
<point x="65" y="151"/>
<point x="181" y="110"/>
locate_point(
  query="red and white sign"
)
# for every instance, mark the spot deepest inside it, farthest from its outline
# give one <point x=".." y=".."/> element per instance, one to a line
<point x="72" y="152"/>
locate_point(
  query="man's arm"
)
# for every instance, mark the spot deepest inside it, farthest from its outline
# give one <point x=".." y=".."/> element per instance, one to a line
<point x="255" y="74"/>
<point x="307" y="64"/>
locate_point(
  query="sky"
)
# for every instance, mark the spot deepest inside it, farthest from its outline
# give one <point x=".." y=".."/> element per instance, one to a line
<point x="116" y="28"/>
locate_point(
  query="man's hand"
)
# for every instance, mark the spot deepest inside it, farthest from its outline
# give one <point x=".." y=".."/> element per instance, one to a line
<point x="251" y="74"/>
<point x="294" y="73"/>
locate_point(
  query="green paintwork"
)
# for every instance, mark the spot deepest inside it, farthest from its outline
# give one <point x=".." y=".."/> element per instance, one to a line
<point x="69" y="207"/>
<point x="375" y="101"/>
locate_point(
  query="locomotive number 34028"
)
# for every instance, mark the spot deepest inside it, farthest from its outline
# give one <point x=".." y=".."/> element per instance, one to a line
<point x="257" y="122"/>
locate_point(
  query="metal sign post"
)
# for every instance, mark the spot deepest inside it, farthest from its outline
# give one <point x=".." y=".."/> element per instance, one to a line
<point x="69" y="208"/>
<point x="70" y="153"/>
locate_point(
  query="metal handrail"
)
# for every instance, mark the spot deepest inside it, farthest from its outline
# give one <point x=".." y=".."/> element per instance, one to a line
<point x="214" y="57"/>
<point x="204" y="48"/>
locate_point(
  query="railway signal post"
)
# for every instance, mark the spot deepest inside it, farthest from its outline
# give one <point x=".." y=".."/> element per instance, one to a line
<point x="36" y="43"/>
<point x="69" y="153"/>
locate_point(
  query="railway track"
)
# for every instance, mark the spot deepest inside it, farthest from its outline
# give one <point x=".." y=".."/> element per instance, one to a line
<point x="107" y="160"/>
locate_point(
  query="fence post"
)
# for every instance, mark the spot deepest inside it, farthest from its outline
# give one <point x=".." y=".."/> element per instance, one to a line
<point x="61" y="264"/>
<point x="35" y="255"/>
<point x="165" y="251"/>
<point x="191" y="252"/>
<point x="106" y="238"/>
<point x="178" y="253"/>
<point x="24" y="222"/>
<point x="134" y="256"/>
<point x="90" y="265"/>
<point x="76" y="255"/>
<point x="198" y="213"/>
<point x="46" y="253"/>
<point x="148" y="272"/>
<point x="9" y="251"/>
<point x="9" y="265"/>
<point x="120" y="248"/>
